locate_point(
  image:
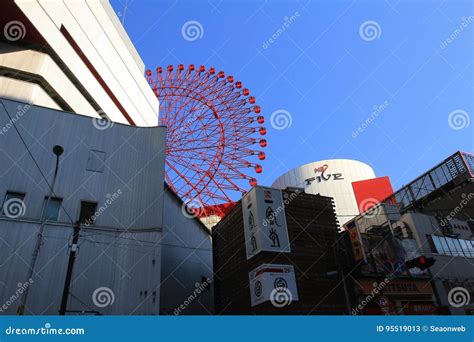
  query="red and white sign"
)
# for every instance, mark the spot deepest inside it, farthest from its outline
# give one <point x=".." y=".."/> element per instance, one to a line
<point x="267" y="278"/>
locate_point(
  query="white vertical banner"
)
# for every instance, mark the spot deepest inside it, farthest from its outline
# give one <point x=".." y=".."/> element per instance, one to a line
<point x="251" y="228"/>
<point x="264" y="221"/>
<point x="275" y="283"/>
<point x="272" y="219"/>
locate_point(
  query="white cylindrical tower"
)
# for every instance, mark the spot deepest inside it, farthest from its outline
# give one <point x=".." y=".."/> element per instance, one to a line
<point x="332" y="178"/>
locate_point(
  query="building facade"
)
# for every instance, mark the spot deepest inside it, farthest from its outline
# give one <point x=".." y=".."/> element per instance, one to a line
<point x="331" y="178"/>
<point x="441" y="189"/>
<point x="135" y="239"/>
<point x="290" y="268"/>
<point x="453" y="271"/>
<point x="74" y="56"/>
<point x="382" y="283"/>
<point x="186" y="266"/>
<point x="114" y="191"/>
<point x="70" y="76"/>
<point x="431" y="218"/>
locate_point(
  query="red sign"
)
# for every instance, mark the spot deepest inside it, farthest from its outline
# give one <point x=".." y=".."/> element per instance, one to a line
<point x="323" y="176"/>
<point x="371" y="191"/>
<point x="321" y="168"/>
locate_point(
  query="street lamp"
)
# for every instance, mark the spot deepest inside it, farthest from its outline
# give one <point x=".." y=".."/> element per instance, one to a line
<point x="57" y="150"/>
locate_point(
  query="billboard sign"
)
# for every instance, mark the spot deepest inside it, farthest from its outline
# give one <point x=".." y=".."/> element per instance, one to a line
<point x="275" y="283"/>
<point x="264" y="221"/>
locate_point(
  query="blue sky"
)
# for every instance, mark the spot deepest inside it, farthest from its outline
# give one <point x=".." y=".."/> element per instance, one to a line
<point x="328" y="73"/>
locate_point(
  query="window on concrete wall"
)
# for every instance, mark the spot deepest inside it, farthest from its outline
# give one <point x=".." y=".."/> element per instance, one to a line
<point x="52" y="212"/>
<point x="14" y="204"/>
<point x="470" y="248"/>
<point x="453" y="247"/>
<point x="87" y="214"/>
<point x="465" y="248"/>
<point x="96" y="161"/>
<point x="437" y="243"/>
<point x="444" y="244"/>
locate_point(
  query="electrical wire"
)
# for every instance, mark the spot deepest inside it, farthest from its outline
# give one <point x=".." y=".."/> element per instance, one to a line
<point x="33" y="158"/>
<point x="149" y="242"/>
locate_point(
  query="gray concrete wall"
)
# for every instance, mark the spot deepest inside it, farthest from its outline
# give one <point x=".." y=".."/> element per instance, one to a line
<point x="187" y="258"/>
<point x="122" y="249"/>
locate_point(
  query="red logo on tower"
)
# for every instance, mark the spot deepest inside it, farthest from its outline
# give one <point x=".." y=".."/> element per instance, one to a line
<point x="322" y="176"/>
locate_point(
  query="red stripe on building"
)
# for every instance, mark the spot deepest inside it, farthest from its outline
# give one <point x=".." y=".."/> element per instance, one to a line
<point x="96" y="74"/>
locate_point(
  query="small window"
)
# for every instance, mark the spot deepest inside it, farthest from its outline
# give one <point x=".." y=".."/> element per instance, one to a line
<point x="470" y="247"/>
<point x="464" y="247"/>
<point x="87" y="215"/>
<point x="14" y="204"/>
<point x="444" y="246"/>
<point x="52" y="212"/>
<point x="96" y="161"/>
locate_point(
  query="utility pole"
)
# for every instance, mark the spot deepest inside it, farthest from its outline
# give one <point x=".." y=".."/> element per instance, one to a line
<point x="70" y="266"/>
<point x="57" y="150"/>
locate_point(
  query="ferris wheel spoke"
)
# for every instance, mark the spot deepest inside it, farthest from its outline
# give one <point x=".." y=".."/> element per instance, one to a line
<point x="212" y="130"/>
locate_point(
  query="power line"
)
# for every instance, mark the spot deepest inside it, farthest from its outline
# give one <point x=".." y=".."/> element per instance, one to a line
<point x="58" y="150"/>
<point x="152" y="244"/>
<point x="149" y="242"/>
<point x="33" y="158"/>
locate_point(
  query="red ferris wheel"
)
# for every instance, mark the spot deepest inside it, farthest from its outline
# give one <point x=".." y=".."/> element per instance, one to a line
<point x="214" y="133"/>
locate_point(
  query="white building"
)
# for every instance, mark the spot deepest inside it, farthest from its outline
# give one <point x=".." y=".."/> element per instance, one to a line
<point x="74" y="56"/>
<point x="331" y="178"/>
<point x="64" y="66"/>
